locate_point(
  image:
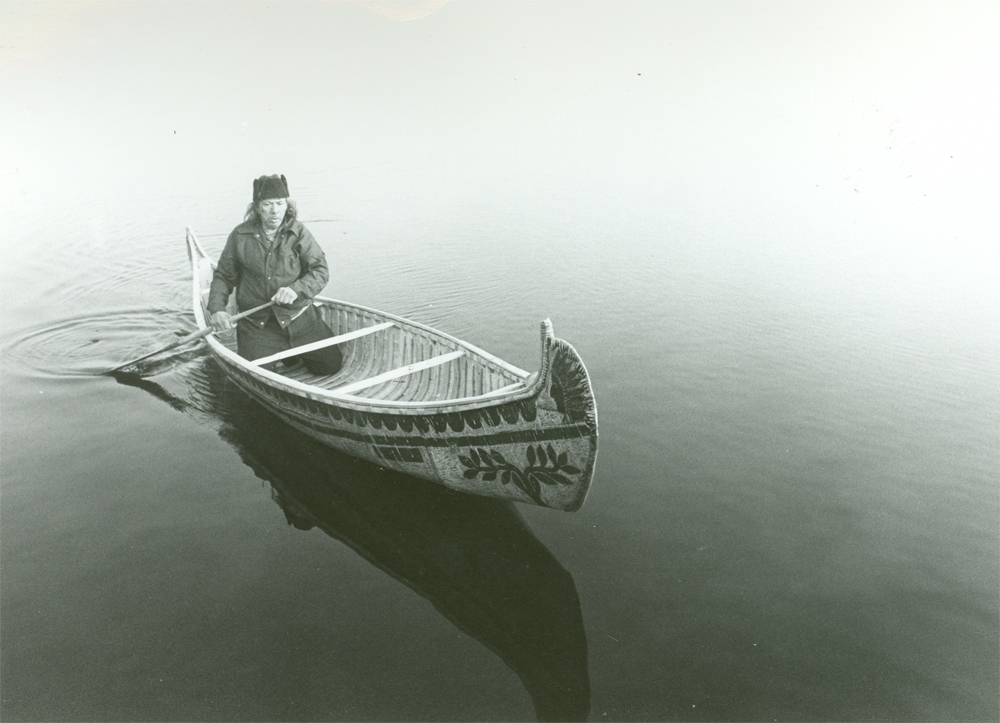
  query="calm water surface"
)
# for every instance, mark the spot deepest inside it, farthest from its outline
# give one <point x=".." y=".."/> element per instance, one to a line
<point x="795" y="510"/>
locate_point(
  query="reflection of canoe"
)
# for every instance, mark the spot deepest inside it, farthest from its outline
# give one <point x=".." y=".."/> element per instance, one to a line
<point x="416" y="400"/>
<point x="474" y="558"/>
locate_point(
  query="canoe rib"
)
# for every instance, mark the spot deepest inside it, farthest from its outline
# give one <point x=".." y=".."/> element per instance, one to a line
<point x="478" y="425"/>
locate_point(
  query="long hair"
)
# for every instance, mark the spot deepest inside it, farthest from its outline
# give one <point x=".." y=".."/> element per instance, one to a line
<point x="291" y="213"/>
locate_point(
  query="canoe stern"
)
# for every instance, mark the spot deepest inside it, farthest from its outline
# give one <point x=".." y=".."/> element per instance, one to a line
<point x="564" y="383"/>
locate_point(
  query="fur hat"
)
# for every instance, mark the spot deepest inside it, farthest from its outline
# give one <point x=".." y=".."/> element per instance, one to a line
<point x="267" y="187"/>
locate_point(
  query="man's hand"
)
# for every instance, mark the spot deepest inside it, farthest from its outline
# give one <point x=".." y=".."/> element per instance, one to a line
<point x="220" y="321"/>
<point x="285" y="295"/>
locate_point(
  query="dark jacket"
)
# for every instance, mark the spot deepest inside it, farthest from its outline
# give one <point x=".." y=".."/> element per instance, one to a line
<point x="257" y="271"/>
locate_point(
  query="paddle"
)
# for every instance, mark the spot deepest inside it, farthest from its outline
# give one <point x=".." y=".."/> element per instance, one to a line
<point x="190" y="337"/>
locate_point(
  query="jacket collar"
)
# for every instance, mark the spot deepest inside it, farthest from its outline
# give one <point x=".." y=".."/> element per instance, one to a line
<point x="252" y="229"/>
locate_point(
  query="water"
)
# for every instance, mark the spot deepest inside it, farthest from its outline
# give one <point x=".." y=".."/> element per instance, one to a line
<point x="769" y="232"/>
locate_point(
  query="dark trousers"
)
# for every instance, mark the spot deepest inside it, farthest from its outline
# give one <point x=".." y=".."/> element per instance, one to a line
<point x="254" y="342"/>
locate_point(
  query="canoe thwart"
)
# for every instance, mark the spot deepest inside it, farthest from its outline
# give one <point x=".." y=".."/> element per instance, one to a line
<point x="321" y="343"/>
<point x="396" y="373"/>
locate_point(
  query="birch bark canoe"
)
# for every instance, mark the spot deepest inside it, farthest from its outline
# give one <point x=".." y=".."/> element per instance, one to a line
<point x="422" y="402"/>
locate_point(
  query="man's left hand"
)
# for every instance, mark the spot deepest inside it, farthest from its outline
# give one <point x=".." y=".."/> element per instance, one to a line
<point x="285" y="295"/>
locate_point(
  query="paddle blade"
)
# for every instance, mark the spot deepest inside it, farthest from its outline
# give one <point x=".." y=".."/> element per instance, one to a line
<point x="131" y="379"/>
<point x="133" y="366"/>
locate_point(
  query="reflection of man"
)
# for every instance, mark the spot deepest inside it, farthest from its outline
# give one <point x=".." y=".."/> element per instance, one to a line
<point x="293" y="515"/>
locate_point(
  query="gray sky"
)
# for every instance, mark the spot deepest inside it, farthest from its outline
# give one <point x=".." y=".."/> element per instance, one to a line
<point x="754" y="109"/>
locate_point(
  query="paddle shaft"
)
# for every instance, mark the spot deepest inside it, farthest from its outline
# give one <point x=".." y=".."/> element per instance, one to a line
<point x="195" y="335"/>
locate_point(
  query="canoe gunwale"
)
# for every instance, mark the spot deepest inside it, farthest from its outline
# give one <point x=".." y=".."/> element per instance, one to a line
<point x="319" y="394"/>
<point x="485" y="355"/>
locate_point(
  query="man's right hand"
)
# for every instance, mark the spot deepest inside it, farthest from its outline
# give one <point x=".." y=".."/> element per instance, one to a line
<point x="220" y="321"/>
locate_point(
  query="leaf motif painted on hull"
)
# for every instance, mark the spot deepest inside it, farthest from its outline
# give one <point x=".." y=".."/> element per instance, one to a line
<point x="542" y="477"/>
<point x="545" y="467"/>
<point x="534" y="491"/>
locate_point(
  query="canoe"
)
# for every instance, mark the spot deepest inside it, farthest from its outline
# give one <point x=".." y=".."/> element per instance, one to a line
<point x="419" y="401"/>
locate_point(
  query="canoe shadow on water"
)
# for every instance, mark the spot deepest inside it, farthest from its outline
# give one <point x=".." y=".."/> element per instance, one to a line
<point x="473" y="558"/>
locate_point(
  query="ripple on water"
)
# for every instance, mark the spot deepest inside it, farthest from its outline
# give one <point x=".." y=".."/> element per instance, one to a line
<point x="93" y="344"/>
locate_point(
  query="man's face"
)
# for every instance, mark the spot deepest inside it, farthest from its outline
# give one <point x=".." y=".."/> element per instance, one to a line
<point x="272" y="211"/>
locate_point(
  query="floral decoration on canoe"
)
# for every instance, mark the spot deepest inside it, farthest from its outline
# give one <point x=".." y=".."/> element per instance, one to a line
<point x="544" y="466"/>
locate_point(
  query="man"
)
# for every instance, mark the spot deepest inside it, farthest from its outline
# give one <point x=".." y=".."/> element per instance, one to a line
<point x="271" y="256"/>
